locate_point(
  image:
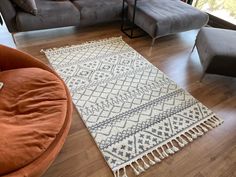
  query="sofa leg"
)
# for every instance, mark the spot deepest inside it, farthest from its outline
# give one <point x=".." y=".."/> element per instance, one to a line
<point x="13" y="37"/>
<point x="193" y="47"/>
<point x="153" y="41"/>
<point x="202" y="77"/>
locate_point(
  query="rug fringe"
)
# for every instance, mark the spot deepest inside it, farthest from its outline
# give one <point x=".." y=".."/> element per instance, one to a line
<point x="153" y="156"/>
<point x="72" y="48"/>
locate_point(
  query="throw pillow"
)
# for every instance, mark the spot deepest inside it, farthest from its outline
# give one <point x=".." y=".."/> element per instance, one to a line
<point x="27" y="5"/>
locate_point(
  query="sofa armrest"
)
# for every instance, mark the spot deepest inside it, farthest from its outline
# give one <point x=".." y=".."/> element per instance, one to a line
<point x="8" y="12"/>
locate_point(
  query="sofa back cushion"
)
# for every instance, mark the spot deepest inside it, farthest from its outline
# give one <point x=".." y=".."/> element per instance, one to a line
<point x="27" y="5"/>
<point x="51" y="14"/>
<point x="98" y="11"/>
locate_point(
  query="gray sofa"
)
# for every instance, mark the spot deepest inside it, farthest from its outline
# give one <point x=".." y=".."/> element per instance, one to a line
<point x="156" y="17"/>
<point x="60" y="13"/>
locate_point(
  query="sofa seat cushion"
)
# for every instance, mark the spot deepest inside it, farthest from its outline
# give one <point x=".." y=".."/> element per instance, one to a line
<point x="161" y="17"/>
<point x="33" y="105"/>
<point x="51" y="14"/>
<point x="99" y="11"/>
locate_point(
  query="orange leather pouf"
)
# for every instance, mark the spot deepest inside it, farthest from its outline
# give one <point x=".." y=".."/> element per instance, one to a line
<point x="35" y="114"/>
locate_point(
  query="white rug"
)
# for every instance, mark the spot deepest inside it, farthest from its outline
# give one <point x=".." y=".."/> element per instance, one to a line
<point x="135" y="113"/>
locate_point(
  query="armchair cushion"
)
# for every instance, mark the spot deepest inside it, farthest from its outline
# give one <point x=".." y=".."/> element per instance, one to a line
<point x="20" y="62"/>
<point x="33" y="110"/>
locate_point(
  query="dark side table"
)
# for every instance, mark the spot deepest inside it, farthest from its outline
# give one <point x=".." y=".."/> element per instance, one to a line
<point x="129" y="30"/>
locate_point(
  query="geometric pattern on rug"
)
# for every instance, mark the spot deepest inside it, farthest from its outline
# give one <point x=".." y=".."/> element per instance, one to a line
<point x="135" y="113"/>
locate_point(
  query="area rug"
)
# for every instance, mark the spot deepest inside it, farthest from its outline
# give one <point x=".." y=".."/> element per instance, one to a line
<point x="135" y="113"/>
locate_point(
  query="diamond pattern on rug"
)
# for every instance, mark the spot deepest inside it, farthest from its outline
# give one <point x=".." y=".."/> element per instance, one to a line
<point x="133" y="110"/>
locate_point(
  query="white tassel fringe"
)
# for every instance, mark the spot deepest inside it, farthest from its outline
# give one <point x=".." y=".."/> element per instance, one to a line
<point x="169" y="147"/>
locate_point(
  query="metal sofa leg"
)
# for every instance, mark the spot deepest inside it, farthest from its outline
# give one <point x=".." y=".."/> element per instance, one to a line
<point x="202" y="76"/>
<point x="13" y="37"/>
<point x="153" y="41"/>
<point x="193" y="47"/>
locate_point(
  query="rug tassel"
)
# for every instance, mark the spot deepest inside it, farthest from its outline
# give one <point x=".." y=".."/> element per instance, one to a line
<point x="183" y="140"/>
<point x="207" y="125"/>
<point x="192" y="133"/>
<point x="192" y="136"/>
<point x="135" y="170"/>
<point x="203" y="128"/>
<point x="73" y="48"/>
<point x="216" y="122"/>
<point x="145" y="165"/>
<point x="197" y="131"/>
<point x="219" y="120"/>
<point x="161" y="155"/>
<point x="216" y="119"/>
<point x="174" y="148"/>
<point x="180" y="143"/>
<point x="169" y="150"/>
<point x="150" y="160"/>
<point x="124" y="173"/>
<point x="212" y="124"/>
<point x="140" y="169"/>
<point x="115" y="174"/>
<point x="156" y="158"/>
<point x="163" y="152"/>
<point x="186" y="136"/>
<point x="200" y="130"/>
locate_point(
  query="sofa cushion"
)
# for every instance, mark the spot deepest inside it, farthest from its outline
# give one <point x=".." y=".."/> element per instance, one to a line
<point x="32" y="112"/>
<point x="99" y="11"/>
<point x="161" y="17"/>
<point x="27" y="5"/>
<point x="51" y="14"/>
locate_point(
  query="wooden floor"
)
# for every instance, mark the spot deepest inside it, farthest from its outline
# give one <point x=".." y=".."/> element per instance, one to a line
<point x="213" y="155"/>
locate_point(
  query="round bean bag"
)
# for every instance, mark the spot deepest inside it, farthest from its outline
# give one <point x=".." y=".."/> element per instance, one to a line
<point x="35" y="114"/>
